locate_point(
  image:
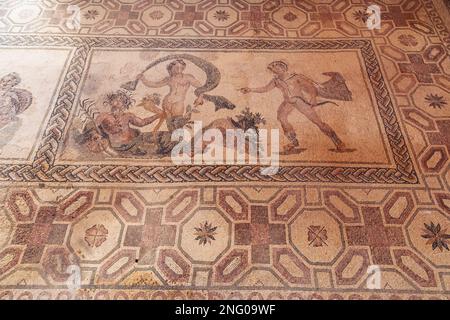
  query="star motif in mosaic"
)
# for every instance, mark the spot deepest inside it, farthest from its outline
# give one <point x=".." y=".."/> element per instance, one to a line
<point x="221" y="15"/>
<point x="205" y="233"/>
<point x="435" y="101"/>
<point x="437" y="237"/>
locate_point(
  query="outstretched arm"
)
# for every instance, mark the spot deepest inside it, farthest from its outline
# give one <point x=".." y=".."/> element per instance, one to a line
<point x="139" y="122"/>
<point x="196" y="84"/>
<point x="193" y="81"/>
<point x="153" y="84"/>
<point x="266" y="88"/>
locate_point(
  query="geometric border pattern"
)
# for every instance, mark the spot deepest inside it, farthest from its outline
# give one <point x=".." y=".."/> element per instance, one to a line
<point x="288" y="264"/>
<point x="200" y="294"/>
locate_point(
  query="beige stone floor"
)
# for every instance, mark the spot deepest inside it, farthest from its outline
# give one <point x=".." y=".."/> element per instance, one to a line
<point x="90" y="208"/>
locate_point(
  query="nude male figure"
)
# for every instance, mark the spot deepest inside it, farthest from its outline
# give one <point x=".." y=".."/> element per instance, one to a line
<point x="299" y="92"/>
<point x="179" y="84"/>
<point x="116" y="123"/>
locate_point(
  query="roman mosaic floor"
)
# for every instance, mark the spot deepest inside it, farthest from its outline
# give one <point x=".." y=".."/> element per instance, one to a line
<point x="93" y="206"/>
